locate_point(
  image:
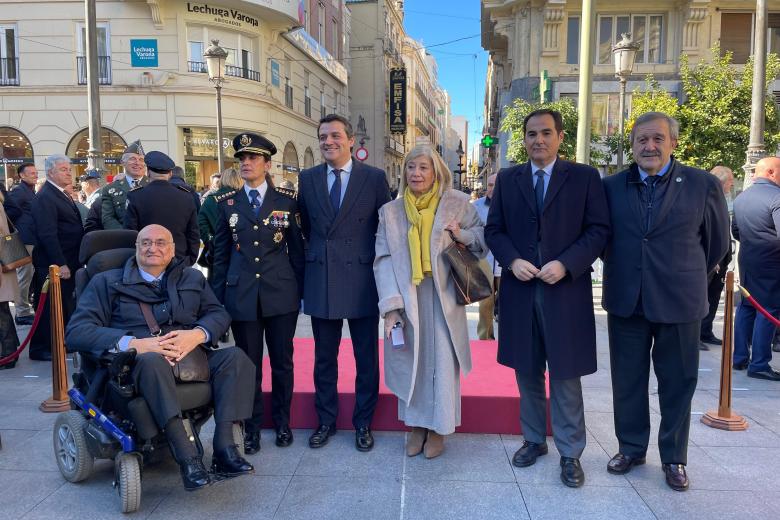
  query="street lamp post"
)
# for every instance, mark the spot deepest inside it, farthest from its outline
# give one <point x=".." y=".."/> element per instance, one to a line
<point x="756" y="147"/>
<point x="460" y="153"/>
<point x="215" y="62"/>
<point x="624" y="54"/>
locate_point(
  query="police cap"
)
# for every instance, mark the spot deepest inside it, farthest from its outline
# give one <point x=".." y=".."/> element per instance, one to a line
<point x="159" y="162"/>
<point x="90" y="175"/>
<point x="253" y="143"/>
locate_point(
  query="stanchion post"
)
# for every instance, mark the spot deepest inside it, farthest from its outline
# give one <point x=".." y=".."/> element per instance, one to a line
<point x="59" y="401"/>
<point x="723" y="418"/>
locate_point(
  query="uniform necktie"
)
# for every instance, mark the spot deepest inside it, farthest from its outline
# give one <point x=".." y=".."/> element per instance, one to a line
<point x="255" y="202"/>
<point x="539" y="191"/>
<point x="335" y="191"/>
<point x="134" y="183"/>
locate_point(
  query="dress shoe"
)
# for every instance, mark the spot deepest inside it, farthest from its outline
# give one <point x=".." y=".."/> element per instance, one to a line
<point x="676" y="477"/>
<point x="621" y="464"/>
<point x="40" y="356"/>
<point x="415" y="442"/>
<point x="321" y="435"/>
<point x="703" y="346"/>
<point x="712" y="340"/>
<point x="8" y="366"/>
<point x="528" y="453"/>
<point x="284" y="436"/>
<point x="571" y="472"/>
<point x="776" y="346"/>
<point x="434" y="445"/>
<point x="228" y="462"/>
<point x="193" y="474"/>
<point x="769" y="374"/>
<point x="364" y="440"/>
<point x="741" y="366"/>
<point x="24" y="320"/>
<point x="251" y="442"/>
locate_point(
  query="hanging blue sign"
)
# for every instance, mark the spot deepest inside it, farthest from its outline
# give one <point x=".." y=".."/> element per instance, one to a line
<point x="275" y="79"/>
<point x="143" y="53"/>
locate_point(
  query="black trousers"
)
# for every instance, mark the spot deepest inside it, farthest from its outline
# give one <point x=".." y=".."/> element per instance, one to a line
<point x="365" y="347"/>
<point x="674" y="349"/>
<point x="40" y="343"/>
<point x="279" y="332"/>
<point x="231" y="374"/>
<point x="714" y="288"/>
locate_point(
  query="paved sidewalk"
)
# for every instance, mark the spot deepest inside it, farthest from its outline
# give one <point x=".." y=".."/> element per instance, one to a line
<point x="732" y="473"/>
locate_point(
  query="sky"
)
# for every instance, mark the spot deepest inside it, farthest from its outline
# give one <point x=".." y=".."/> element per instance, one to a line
<point x="460" y="73"/>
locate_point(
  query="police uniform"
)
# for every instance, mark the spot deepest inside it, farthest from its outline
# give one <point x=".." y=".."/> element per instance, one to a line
<point x="113" y="201"/>
<point x="258" y="276"/>
<point x="166" y="204"/>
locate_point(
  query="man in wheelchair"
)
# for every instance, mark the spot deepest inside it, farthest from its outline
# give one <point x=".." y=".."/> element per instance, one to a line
<point x="108" y="318"/>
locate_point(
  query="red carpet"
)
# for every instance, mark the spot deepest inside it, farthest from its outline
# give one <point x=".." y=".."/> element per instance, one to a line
<point x="490" y="400"/>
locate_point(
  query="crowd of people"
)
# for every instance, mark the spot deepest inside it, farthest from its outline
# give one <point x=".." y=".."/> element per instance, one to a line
<point x="338" y="248"/>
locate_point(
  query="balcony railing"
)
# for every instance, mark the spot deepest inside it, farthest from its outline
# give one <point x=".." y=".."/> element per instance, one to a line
<point x="104" y="69"/>
<point x="9" y="72"/>
<point x="230" y="70"/>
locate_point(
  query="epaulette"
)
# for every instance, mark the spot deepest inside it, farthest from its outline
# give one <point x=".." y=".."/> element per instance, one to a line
<point x="183" y="188"/>
<point x="137" y="188"/>
<point x="223" y="196"/>
<point x="286" y="191"/>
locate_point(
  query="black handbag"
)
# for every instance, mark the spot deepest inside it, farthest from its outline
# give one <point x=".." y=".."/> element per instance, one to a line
<point x="13" y="253"/>
<point x="471" y="284"/>
<point x="192" y="368"/>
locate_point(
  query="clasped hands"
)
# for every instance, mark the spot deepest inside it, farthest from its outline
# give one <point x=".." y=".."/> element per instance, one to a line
<point x="550" y="273"/>
<point x="174" y="345"/>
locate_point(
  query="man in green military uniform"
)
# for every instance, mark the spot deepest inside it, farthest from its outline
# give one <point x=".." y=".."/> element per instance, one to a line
<point x="114" y="198"/>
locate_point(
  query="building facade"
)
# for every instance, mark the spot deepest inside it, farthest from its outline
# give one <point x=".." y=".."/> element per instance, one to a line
<point x="531" y="39"/>
<point x="286" y="68"/>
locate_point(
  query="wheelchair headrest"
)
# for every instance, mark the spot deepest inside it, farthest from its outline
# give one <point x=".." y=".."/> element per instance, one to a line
<point x="106" y="260"/>
<point x="101" y="240"/>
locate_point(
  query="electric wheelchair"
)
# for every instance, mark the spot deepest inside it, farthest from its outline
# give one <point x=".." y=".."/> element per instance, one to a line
<point x="108" y="419"/>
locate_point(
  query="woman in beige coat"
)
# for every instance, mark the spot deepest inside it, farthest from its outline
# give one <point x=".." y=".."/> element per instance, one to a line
<point x="416" y="291"/>
<point x="9" y="291"/>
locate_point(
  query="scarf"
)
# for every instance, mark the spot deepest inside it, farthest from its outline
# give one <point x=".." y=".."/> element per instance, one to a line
<point x="420" y="211"/>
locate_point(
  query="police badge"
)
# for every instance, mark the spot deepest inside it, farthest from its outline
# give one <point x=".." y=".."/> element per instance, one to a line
<point x="245" y="140"/>
<point x="278" y="237"/>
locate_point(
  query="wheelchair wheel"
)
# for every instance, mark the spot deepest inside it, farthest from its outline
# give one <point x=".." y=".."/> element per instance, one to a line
<point x="127" y="475"/>
<point x="238" y="437"/>
<point x="70" y="446"/>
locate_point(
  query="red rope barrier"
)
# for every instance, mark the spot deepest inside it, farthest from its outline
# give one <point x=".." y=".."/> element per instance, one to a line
<point x="758" y="307"/>
<point x="41" y="301"/>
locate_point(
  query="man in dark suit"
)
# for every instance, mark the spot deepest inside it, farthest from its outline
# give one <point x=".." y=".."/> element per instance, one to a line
<point x="757" y="227"/>
<point x="166" y="204"/>
<point x="258" y="276"/>
<point x="339" y="203"/>
<point x="58" y="233"/>
<point x="548" y="223"/>
<point x="18" y="207"/>
<point x="669" y="230"/>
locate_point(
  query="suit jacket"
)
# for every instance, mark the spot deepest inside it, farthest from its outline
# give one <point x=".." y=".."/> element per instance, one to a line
<point x="58" y="229"/>
<point x="339" y="279"/>
<point x="668" y="264"/>
<point x="257" y="258"/>
<point x="170" y="206"/>
<point x="757" y="227"/>
<point x="573" y="226"/>
<point x="18" y="206"/>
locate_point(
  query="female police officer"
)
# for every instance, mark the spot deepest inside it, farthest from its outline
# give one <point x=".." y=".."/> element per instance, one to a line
<point x="258" y="276"/>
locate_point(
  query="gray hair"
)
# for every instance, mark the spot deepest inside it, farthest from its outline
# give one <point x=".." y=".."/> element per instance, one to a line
<point x="674" y="125"/>
<point x="722" y="173"/>
<point x="51" y="161"/>
<point x="126" y="157"/>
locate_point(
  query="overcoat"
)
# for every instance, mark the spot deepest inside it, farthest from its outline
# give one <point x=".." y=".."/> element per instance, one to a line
<point x="573" y="228"/>
<point x="393" y="273"/>
<point x="9" y="286"/>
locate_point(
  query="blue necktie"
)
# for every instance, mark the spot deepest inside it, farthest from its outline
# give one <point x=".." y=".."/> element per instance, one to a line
<point x="539" y="191"/>
<point x="335" y="191"/>
<point x="255" y="202"/>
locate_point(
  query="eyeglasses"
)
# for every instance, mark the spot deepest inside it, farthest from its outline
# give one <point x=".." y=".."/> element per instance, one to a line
<point x="147" y="243"/>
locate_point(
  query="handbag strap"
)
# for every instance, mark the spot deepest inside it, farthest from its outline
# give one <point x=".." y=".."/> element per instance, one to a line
<point x="151" y="322"/>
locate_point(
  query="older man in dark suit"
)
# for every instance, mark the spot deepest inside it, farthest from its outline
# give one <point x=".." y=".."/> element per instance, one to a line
<point x="548" y="223"/>
<point x="669" y="229"/>
<point x="339" y="203"/>
<point x="58" y="233"/>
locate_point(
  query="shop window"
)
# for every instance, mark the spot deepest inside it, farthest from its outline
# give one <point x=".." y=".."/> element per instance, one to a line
<point x="15" y="149"/>
<point x="113" y="147"/>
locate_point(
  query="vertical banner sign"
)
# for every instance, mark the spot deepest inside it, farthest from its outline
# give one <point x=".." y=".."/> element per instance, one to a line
<point x="398" y="101"/>
<point x="275" y="77"/>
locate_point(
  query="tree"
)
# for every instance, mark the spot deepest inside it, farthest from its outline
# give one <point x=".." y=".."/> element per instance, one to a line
<point x="715" y="113"/>
<point x="513" y="124"/>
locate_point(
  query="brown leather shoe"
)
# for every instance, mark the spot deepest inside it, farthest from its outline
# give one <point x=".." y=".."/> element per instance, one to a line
<point x="434" y="445"/>
<point x="676" y="477"/>
<point x="414" y="444"/>
<point x="621" y="464"/>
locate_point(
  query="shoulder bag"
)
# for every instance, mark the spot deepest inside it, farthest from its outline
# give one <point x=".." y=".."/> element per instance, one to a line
<point x="471" y="284"/>
<point x="13" y="253"/>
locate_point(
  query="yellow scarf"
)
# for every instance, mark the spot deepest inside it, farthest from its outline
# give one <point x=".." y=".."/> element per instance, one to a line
<point x="420" y="212"/>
